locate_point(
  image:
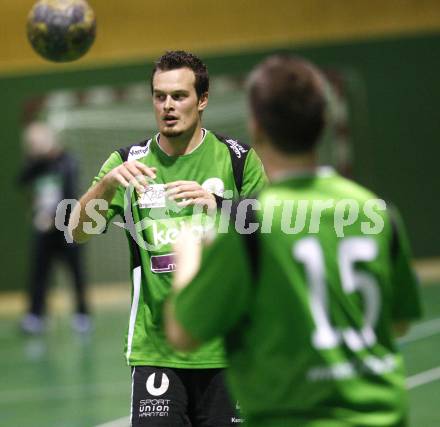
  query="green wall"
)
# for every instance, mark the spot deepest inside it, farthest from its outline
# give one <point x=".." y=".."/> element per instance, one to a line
<point x="396" y="148"/>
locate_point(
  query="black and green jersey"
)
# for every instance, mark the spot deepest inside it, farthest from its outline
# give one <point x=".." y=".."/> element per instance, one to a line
<point x="222" y="166"/>
<point x="307" y="306"/>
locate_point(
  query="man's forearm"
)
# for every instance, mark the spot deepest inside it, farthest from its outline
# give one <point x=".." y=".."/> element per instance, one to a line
<point x="177" y="336"/>
<point x="79" y="216"/>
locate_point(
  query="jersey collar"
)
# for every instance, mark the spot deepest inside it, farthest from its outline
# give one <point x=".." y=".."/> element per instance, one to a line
<point x="318" y="172"/>
<point x="204" y="133"/>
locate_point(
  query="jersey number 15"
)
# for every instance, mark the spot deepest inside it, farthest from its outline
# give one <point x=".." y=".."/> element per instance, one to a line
<point x="350" y="250"/>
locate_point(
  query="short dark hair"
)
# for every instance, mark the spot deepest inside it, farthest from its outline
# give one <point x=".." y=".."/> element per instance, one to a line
<point x="176" y="59"/>
<point x="287" y="99"/>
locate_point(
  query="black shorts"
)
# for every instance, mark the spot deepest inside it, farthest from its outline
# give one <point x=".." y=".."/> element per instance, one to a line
<point x="181" y="397"/>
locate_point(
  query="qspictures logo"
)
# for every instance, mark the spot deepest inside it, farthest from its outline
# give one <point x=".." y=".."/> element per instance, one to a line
<point x="293" y="217"/>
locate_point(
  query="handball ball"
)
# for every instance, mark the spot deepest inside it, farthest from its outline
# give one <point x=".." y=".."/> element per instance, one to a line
<point x="61" y="30"/>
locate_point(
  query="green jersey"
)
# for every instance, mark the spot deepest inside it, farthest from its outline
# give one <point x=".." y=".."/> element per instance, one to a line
<point x="222" y="166"/>
<point x="307" y="305"/>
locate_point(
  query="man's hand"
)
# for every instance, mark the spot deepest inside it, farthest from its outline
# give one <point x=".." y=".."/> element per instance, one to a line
<point x="187" y="193"/>
<point x="132" y="172"/>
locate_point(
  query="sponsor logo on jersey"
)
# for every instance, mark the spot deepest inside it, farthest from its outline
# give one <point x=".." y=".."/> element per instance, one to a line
<point x="237" y="420"/>
<point x="162" y="389"/>
<point x="138" y="151"/>
<point x="162" y="263"/>
<point x="237" y="148"/>
<point x="154" y="408"/>
<point x="153" y="196"/>
<point x="166" y="234"/>
<point x="214" y="186"/>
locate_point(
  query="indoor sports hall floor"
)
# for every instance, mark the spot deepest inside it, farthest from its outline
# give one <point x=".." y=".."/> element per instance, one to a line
<point x="64" y="380"/>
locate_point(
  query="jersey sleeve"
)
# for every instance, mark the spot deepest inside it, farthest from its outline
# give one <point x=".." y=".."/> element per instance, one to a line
<point x="218" y="295"/>
<point x="254" y="177"/>
<point x="117" y="203"/>
<point x="406" y="298"/>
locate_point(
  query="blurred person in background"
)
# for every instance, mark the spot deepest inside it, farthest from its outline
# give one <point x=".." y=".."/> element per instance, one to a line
<point x="51" y="173"/>
<point x="309" y="317"/>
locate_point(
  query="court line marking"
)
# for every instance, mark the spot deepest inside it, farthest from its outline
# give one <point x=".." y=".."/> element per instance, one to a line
<point x="412" y="382"/>
<point x="120" y="422"/>
<point x="423" y="378"/>
<point x="76" y="391"/>
<point x="422" y="330"/>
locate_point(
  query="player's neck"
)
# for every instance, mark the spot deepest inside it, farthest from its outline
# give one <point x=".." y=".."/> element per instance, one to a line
<point x="278" y="164"/>
<point x="182" y="144"/>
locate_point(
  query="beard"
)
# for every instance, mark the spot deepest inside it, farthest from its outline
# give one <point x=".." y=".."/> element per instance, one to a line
<point x="172" y="133"/>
